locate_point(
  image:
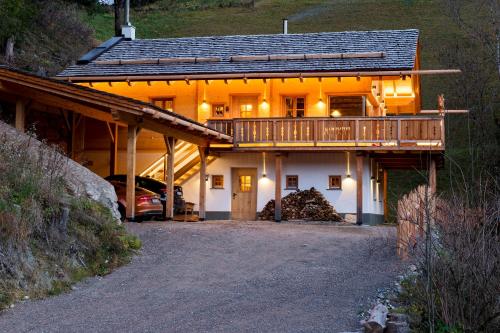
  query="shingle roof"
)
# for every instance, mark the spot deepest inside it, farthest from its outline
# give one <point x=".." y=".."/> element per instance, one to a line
<point x="399" y="47"/>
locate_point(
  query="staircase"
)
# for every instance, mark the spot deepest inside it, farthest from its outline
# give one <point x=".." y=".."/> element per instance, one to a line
<point x="186" y="165"/>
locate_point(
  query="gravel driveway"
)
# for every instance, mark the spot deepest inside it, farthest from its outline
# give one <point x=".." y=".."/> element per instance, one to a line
<point x="226" y="277"/>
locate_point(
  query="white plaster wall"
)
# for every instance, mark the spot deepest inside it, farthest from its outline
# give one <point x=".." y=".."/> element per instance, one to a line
<point x="313" y="170"/>
<point x="372" y="192"/>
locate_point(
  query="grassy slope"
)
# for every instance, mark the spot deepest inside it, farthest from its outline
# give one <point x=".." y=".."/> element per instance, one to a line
<point x="309" y="16"/>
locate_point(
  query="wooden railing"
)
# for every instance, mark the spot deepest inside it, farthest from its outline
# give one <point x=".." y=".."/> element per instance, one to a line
<point x="411" y="132"/>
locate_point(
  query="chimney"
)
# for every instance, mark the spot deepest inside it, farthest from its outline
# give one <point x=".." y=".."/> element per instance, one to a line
<point x="128" y="30"/>
<point x="285" y="26"/>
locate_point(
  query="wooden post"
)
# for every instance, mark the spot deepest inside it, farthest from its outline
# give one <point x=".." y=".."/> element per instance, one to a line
<point x="20" y="115"/>
<point x="432" y="176"/>
<point x="277" y="192"/>
<point x="113" y="151"/>
<point x="203" y="183"/>
<point x="131" y="154"/>
<point x="169" y="165"/>
<point x="386" y="213"/>
<point x="359" y="188"/>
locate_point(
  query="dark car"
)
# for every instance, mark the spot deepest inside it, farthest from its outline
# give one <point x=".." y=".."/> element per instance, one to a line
<point x="147" y="203"/>
<point x="155" y="186"/>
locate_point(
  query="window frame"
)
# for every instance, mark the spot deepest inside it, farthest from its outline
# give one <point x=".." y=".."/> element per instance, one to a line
<point x="287" y="182"/>
<point x="214" y="105"/>
<point x="163" y="99"/>
<point x="329" y="104"/>
<point x="214" y="182"/>
<point x="330" y="187"/>
<point x="294" y="106"/>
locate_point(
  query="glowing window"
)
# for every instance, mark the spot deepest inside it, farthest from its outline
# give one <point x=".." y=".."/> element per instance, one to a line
<point x="245" y="183"/>
<point x="246" y="110"/>
<point x="217" y="181"/>
<point x="218" y="110"/>
<point x="166" y="103"/>
<point x="345" y="106"/>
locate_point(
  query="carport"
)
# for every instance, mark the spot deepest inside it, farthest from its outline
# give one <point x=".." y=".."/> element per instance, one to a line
<point x="32" y="93"/>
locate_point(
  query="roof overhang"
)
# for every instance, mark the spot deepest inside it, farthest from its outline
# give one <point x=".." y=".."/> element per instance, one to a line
<point x="268" y="75"/>
<point x="105" y="106"/>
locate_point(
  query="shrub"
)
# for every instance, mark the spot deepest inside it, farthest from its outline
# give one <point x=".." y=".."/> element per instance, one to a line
<point x="50" y="239"/>
<point x="458" y="285"/>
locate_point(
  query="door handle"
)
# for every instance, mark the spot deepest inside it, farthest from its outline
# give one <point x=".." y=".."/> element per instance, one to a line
<point x="234" y="196"/>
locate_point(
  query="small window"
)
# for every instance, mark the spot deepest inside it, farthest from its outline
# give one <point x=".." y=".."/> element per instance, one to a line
<point x="245" y="183"/>
<point x="218" y="110"/>
<point x="166" y="103"/>
<point x="334" y="182"/>
<point x="295" y="107"/>
<point x="217" y="181"/>
<point x="292" y="182"/>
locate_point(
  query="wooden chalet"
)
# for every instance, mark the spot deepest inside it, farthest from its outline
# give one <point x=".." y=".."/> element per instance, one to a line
<point x="257" y="116"/>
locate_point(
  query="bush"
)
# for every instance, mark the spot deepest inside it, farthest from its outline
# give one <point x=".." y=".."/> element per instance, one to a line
<point x="49" y="238"/>
<point x="458" y="285"/>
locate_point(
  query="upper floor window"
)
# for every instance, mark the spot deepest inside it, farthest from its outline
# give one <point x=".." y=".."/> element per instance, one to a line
<point x="166" y="103"/>
<point x="346" y="106"/>
<point x="218" y="110"/>
<point x="295" y="107"/>
<point x="245" y="106"/>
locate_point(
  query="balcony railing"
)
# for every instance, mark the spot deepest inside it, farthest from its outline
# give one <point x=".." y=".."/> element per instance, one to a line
<point x="410" y="132"/>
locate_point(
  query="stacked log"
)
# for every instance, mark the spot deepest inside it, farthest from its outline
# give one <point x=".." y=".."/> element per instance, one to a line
<point x="308" y="205"/>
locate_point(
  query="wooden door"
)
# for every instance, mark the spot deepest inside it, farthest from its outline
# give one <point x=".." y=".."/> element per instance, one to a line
<point x="244" y="194"/>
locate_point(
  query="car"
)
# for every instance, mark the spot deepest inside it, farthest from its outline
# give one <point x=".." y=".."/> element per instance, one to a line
<point x="155" y="186"/>
<point x="147" y="203"/>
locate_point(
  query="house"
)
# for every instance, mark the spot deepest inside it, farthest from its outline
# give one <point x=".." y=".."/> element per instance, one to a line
<point x="335" y="111"/>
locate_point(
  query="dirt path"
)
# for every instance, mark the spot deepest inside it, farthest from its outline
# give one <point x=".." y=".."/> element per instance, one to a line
<point x="225" y="277"/>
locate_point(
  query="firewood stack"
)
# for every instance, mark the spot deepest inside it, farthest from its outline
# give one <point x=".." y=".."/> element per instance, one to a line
<point x="302" y="205"/>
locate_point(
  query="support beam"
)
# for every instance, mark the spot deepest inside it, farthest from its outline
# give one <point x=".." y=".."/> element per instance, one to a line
<point x="20" y="115"/>
<point x="432" y="176"/>
<point x="359" y="188"/>
<point x="384" y="188"/>
<point x="169" y="176"/>
<point x="203" y="151"/>
<point x="113" y="149"/>
<point x="277" y="190"/>
<point x="131" y="158"/>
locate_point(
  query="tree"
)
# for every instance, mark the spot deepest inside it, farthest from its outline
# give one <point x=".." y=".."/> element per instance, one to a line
<point x="15" y="19"/>
<point x="118" y="8"/>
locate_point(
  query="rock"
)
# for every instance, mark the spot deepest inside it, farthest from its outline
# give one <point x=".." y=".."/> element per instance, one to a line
<point x="80" y="180"/>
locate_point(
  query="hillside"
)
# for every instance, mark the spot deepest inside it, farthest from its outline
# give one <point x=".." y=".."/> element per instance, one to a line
<point x="56" y="225"/>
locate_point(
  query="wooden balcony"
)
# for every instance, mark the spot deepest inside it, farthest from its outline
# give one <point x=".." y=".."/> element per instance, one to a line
<point x="343" y="133"/>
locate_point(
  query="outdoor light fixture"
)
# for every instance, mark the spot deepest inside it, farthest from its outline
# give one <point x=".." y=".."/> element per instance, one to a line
<point x="348" y="169"/>
<point x="264" y="174"/>
<point x="90" y="84"/>
<point x="358" y="78"/>
<point x="167" y="82"/>
<point x="206" y="177"/>
<point x="339" y="78"/>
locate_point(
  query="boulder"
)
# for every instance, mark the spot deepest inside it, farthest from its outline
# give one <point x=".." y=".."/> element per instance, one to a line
<point x="80" y="180"/>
